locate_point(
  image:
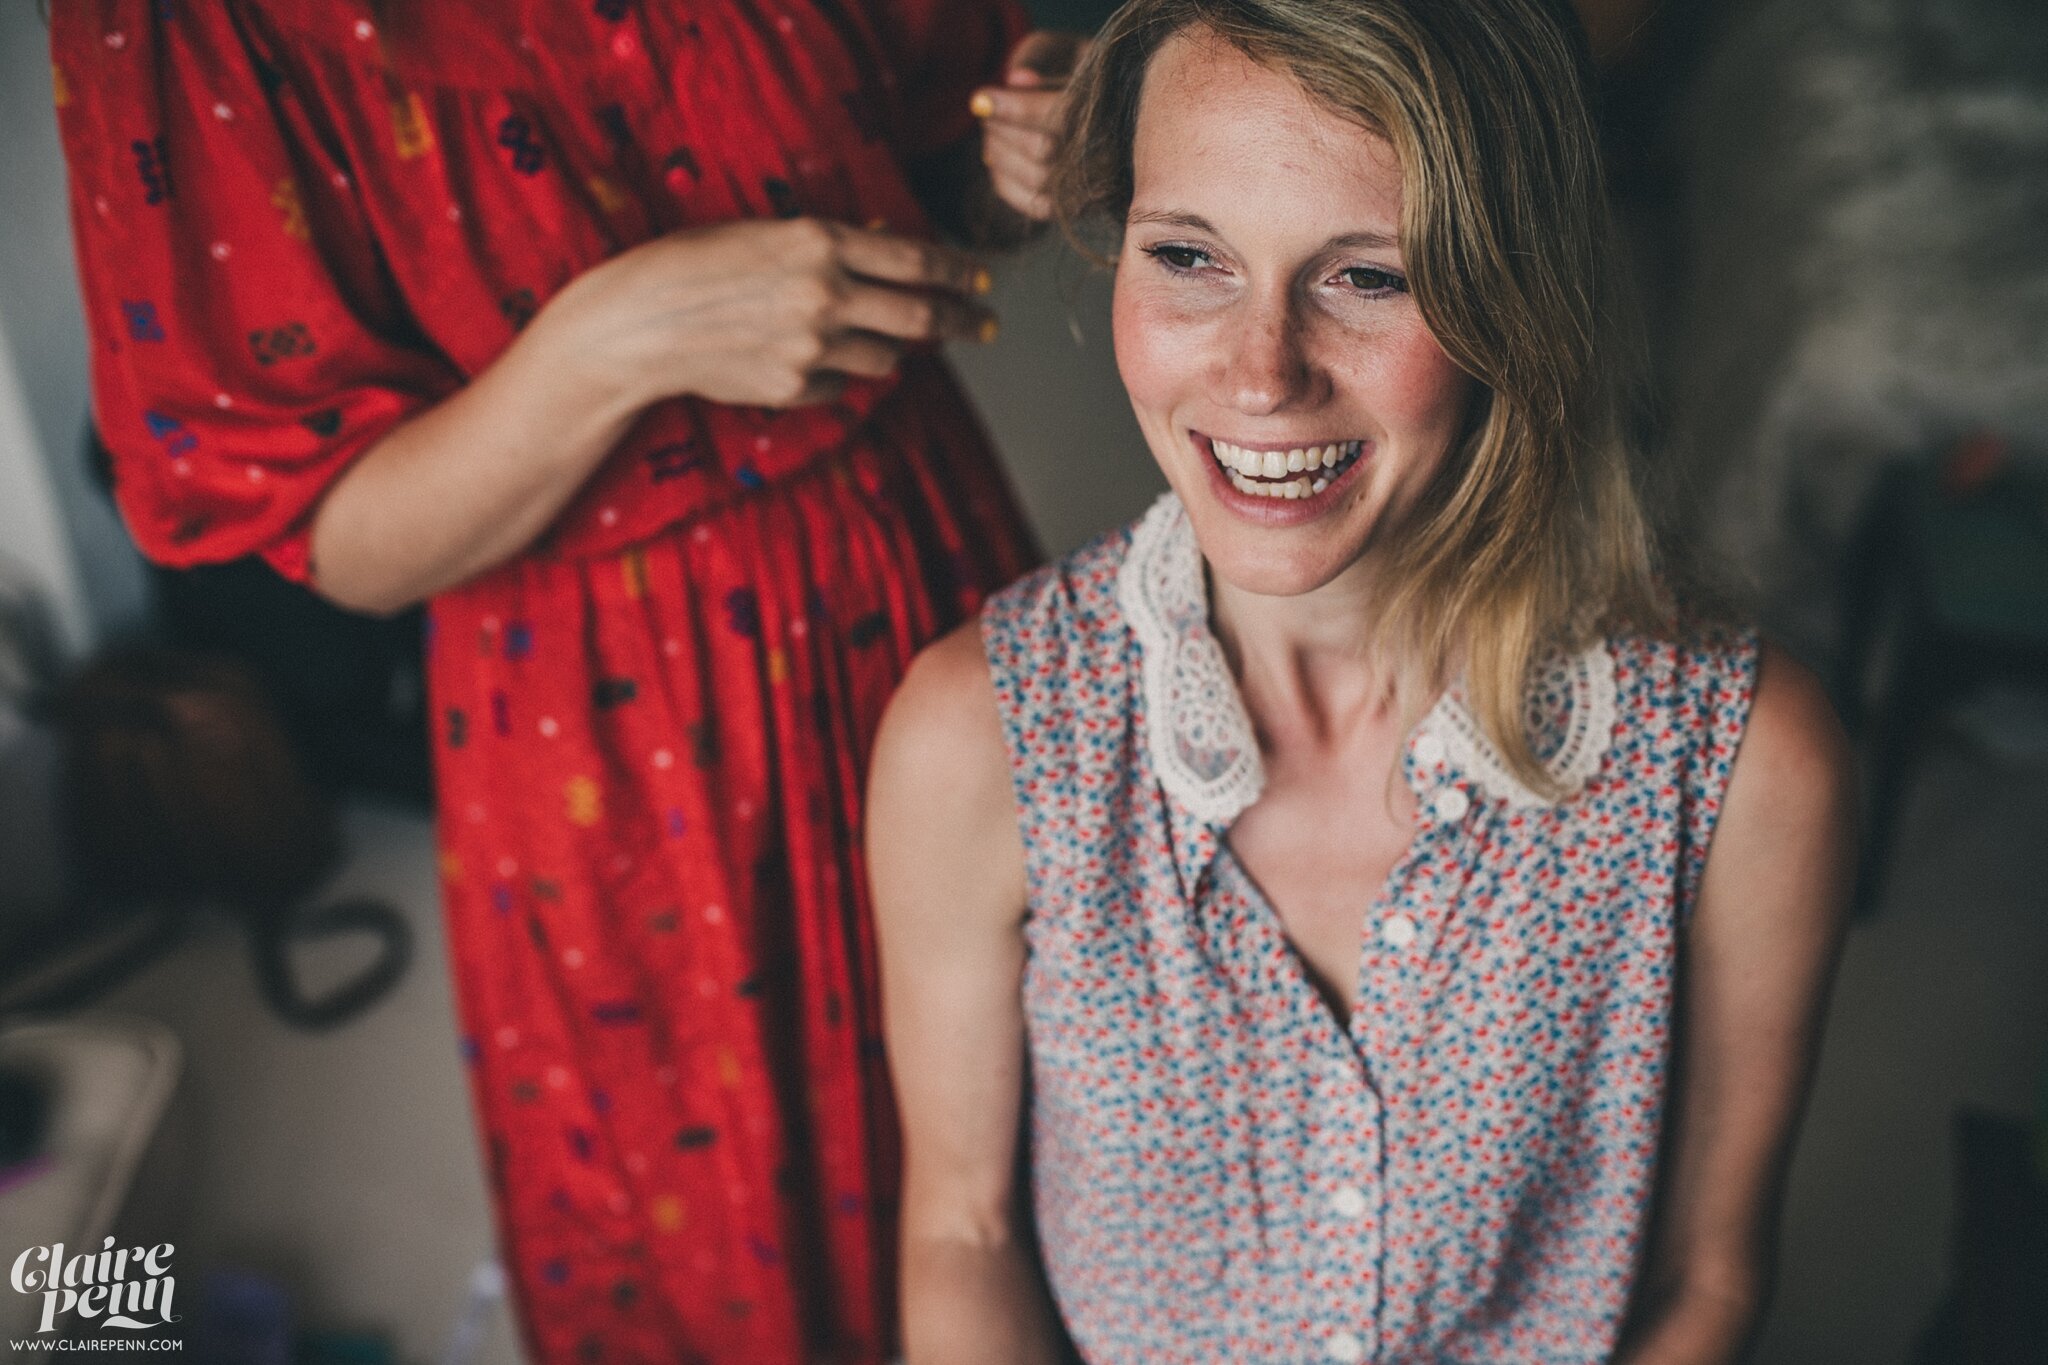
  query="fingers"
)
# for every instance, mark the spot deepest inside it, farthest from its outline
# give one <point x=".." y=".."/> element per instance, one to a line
<point x="906" y="261"/>
<point x="1040" y="109"/>
<point x="860" y="353"/>
<point x="1034" y="145"/>
<point x="1018" y="151"/>
<point x="1022" y="118"/>
<point x="845" y="356"/>
<point x="822" y="387"/>
<point x="912" y="317"/>
<point x="1018" y="171"/>
<point x="1044" y="58"/>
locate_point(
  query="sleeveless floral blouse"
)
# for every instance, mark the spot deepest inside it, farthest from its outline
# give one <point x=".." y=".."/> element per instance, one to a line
<point x="1221" y="1170"/>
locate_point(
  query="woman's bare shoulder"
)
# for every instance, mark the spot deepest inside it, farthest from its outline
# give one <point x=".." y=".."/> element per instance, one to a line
<point x="1786" y="840"/>
<point x="942" y="818"/>
<point x="944" y="711"/>
<point x="1795" y="750"/>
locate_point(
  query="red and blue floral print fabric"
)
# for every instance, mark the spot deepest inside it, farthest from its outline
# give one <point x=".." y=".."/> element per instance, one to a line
<point x="651" y="731"/>
<point x="1221" y="1169"/>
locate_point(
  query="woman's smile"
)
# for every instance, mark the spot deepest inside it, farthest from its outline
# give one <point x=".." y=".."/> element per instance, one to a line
<point x="1294" y="472"/>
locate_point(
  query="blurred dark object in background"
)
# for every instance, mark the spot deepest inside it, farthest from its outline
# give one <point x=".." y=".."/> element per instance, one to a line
<point x="34" y="867"/>
<point x="1945" y="590"/>
<point x="182" y="788"/>
<point x="1645" y="51"/>
<point x="242" y="1319"/>
<point x="25" y="1098"/>
<point x="349" y="688"/>
<point x="182" y="784"/>
<point x="345" y="1348"/>
<point x="1996" y="1312"/>
<point x="1615" y="28"/>
<point x="55" y="945"/>
<point x="199" y="771"/>
<point x="246" y="1318"/>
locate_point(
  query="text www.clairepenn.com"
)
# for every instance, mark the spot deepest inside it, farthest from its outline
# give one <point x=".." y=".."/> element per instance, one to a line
<point x="98" y="1344"/>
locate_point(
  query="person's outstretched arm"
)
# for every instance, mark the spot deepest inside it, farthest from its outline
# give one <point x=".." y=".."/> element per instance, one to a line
<point x="1758" y="957"/>
<point x="947" y="867"/>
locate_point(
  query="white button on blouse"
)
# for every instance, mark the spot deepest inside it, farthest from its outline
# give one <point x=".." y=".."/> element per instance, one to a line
<point x="1349" y="1202"/>
<point x="1345" y="1347"/>
<point x="1452" y="803"/>
<point x="1397" y="931"/>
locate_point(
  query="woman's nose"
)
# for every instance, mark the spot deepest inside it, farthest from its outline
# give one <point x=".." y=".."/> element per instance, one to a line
<point x="1266" y="363"/>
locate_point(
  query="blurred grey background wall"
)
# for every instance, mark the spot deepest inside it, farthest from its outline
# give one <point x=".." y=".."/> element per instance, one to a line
<point x="51" y="519"/>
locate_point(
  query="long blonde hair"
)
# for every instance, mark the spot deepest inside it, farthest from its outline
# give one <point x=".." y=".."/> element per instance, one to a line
<point x="1534" y="537"/>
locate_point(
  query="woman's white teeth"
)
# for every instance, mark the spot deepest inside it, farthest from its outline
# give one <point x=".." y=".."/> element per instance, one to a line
<point x="1261" y="472"/>
<point x="1292" y="488"/>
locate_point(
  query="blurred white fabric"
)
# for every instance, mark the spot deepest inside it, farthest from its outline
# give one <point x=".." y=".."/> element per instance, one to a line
<point x="1867" y="268"/>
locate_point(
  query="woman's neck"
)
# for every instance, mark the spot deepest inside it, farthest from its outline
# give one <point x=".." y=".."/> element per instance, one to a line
<point x="1305" y="663"/>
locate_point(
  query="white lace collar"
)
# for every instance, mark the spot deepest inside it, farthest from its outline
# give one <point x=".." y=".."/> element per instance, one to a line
<point x="1201" y="739"/>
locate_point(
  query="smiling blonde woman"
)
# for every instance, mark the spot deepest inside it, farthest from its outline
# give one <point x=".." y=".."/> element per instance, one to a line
<point x="1404" y="924"/>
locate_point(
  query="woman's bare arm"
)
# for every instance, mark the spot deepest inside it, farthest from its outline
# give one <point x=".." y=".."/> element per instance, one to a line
<point x="948" y="872"/>
<point x="769" y="313"/>
<point x="1759" y="956"/>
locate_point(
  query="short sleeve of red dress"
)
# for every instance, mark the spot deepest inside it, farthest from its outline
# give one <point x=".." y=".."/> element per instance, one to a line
<point x="247" y="345"/>
<point x="944" y="50"/>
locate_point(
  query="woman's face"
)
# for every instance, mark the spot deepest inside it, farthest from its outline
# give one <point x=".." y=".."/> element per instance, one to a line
<point x="1279" y="368"/>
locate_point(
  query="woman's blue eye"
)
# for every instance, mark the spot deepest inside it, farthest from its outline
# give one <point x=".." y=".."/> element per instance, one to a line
<point x="1177" y="258"/>
<point x="1367" y="280"/>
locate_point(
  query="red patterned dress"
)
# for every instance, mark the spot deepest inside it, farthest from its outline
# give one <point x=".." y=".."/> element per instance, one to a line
<point x="652" y="728"/>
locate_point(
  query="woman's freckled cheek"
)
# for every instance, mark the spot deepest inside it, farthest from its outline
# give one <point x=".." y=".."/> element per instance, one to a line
<point x="1404" y="378"/>
<point x="1160" y="345"/>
